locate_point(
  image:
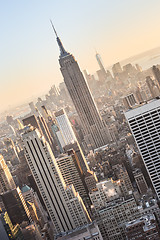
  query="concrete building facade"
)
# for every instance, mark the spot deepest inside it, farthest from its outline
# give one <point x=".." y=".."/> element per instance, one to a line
<point x="144" y="122"/>
<point x="95" y="132"/>
<point x="60" y="201"/>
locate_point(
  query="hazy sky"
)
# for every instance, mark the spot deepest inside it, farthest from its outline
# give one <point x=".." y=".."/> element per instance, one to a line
<point x="29" y="53"/>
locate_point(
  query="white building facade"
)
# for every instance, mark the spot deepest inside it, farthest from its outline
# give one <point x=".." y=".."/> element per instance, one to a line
<point x="144" y="122"/>
<point x="65" y="128"/>
<point x="58" y="200"/>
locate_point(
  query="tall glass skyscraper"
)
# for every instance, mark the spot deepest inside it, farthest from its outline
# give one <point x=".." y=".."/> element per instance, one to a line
<point x="99" y="60"/>
<point x="65" y="127"/>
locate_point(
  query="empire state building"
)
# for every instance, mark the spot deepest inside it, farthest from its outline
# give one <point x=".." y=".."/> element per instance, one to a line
<point x="95" y="132"/>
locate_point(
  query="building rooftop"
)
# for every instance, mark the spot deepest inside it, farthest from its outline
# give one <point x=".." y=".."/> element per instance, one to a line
<point x="25" y="188"/>
<point x="141" y="108"/>
<point x="89" y="173"/>
<point x="146" y="219"/>
<point x="79" y="230"/>
<point x="116" y="202"/>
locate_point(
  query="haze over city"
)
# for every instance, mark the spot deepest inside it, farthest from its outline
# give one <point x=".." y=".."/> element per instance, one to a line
<point x="29" y="67"/>
<point x="80" y="120"/>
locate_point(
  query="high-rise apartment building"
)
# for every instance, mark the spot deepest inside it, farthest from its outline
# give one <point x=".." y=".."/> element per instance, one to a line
<point x="144" y="122"/>
<point x="64" y="205"/>
<point x="6" y="179"/>
<point x="94" y="130"/>
<point x="57" y="136"/>
<point x="73" y="169"/>
<point x="153" y="88"/>
<point x="16" y="206"/>
<point x="116" y="69"/>
<point x="80" y="158"/>
<point x="72" y="173"/>
<point x="129" y="69"/>
<point x="91" y="180"/>
<point x="42" y="119"/>
<point x="156" y="73"/>
<point x="65" y="127"/>
<point x="39" y="122"/>
<point x="7" y="230"/>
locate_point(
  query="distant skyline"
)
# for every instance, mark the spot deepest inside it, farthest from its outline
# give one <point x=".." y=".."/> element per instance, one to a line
<point x="29" y="52"/>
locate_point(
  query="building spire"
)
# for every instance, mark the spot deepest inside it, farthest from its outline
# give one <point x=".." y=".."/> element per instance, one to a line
<point x="62" y="49"/>
<point x="53" y="28"/>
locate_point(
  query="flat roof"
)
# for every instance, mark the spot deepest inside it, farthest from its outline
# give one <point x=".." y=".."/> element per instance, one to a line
<point x="143" y="108"/>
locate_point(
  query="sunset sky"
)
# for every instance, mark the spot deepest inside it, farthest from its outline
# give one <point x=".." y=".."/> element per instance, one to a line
<point x="29" y="66"/>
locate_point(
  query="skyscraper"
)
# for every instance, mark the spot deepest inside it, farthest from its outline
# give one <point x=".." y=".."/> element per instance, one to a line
<point x="99" y="60"/>
<point x="156" y="73"/>
<point x="116" y="69"/>
<point x="129" y="101"/>
<point x="65" y="127"/>
<point x="95" y="132"/>
<point x="64" y="205"/>
<point x="153" y="88"/>
<point x="144" y="122"/>
<point x="102" y="69"/>
<point x="6" y="179"/>
<point x="7" y="230"/>
<point x="39" y="122"/>
<point x="57" y="135"/>
<point x="71" y="173"/>
<point x="80" y="155"/>
<point x="138" y="95"/>
<point x="16" y="206"/>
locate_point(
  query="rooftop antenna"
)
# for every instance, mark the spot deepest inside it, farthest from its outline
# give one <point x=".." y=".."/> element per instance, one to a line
<point x="62" y="50"/>
<point x="53" y="28"/>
